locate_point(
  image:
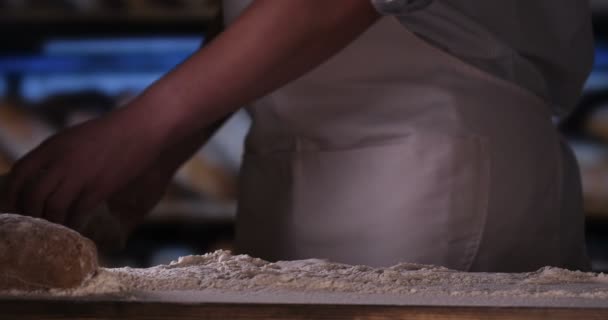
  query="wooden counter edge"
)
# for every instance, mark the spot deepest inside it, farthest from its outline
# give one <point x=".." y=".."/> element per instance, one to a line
<point x="62" y="309"/>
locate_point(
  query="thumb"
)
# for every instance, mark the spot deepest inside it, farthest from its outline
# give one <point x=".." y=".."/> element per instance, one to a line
<point x="104" y="229"/>
<point x="3" y="193"/>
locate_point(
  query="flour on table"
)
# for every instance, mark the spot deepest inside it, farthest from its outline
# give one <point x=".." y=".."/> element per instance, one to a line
<point x="240" y="273"/>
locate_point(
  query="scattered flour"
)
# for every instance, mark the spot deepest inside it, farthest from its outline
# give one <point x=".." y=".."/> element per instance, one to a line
<point x="223" y="271"/>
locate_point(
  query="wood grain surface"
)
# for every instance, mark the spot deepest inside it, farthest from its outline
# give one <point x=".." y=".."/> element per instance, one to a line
<point x="62" y="309"/>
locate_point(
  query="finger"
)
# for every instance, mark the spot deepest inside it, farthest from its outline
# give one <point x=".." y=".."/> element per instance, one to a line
<point x="59" y="202"/>
<point x="23" y="171"/>
<point x="3" y="193"/>
<point x="36" y="193"/>
<point x="124" y="200"/>
<point x="82" y="208"/>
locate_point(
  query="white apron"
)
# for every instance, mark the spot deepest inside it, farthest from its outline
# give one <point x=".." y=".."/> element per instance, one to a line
<point x="394" y="151"/>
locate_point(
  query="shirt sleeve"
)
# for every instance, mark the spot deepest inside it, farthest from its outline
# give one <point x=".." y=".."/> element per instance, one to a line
<point x="399" y="7"/>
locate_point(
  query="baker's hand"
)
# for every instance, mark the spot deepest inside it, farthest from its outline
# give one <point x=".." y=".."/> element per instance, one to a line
<point x="132" y="203"/>
<point x="77" y="169"/>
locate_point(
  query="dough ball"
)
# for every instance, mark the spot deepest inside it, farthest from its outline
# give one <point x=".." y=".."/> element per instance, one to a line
<point x="37" y="254"/>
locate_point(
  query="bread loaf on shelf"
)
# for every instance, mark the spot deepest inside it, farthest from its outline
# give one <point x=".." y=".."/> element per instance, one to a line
<point x="204" y="178"/>
<point x="20" y="131"/>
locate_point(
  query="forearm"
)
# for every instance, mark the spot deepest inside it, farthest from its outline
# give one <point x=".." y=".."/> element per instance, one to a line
<point x="272" y="43"/>
<point x="178" y="153"/>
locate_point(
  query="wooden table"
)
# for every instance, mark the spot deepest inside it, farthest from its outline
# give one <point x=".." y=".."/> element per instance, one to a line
<point x="69" y="309"/>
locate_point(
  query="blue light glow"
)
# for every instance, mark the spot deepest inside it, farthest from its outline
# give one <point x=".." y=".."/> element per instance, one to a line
<point x="111" y="66"/>
<point x="161" y="45"/>
<point x="3" y="86"/>
<point x="38" y="87"/>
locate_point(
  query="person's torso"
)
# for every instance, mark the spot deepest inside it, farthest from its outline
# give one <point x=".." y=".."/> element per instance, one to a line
<point x="394" y="150"/>
<point x="544" y="46"/>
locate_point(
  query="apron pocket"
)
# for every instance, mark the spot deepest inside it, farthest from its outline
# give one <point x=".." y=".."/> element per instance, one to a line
<point x="422" y="198"/>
